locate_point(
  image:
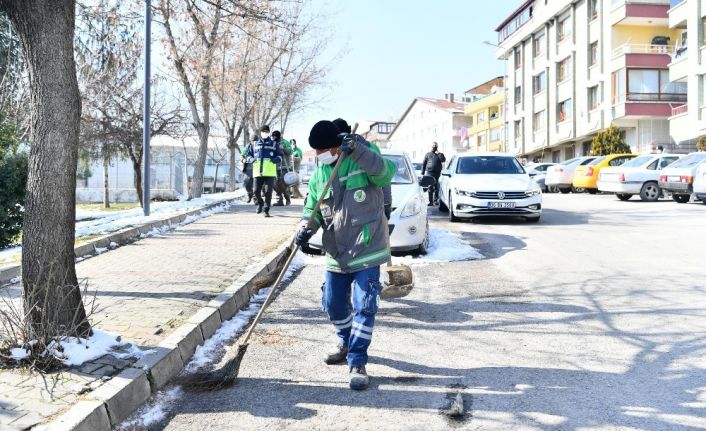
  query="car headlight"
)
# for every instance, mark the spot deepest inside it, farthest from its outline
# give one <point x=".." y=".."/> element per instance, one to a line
<point x="463" y="192"/>
<point x="412" y="207"/>
<point x="533" y="192"/>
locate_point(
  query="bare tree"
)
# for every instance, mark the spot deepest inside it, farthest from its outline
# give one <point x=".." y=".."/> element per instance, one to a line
<point x="46" y="31"/>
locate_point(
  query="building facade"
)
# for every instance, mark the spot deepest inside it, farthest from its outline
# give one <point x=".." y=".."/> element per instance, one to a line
<point x="428" y="120"/>
<point x="486" y="109"/>
<point x="379" y="133"/>
<point x="576" y="67"/>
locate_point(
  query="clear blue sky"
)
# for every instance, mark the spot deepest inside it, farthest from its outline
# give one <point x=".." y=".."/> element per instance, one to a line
<point x="401" y="49"/>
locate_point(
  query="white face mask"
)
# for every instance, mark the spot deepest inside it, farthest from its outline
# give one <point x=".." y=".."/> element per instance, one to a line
<point x="327" y="158"/>
<point x="264" y="135"/>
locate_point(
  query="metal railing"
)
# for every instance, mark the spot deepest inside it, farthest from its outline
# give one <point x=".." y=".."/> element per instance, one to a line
<point x="642" y="48"/>
<point x="678" y="110"/>
<point x="656" y="97"/>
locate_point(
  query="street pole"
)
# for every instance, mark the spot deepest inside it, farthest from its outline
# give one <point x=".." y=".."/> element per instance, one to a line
<point x="146" y="111"/>
<point x="246" y="137"/>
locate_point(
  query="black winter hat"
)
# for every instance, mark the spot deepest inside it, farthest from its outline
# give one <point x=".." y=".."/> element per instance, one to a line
<point x="276" y="135"/>
<point x="342" y="125"/>
<point x="324" y="135"/>
<point x="255" y="138"/>
<point x="265" y="128"/>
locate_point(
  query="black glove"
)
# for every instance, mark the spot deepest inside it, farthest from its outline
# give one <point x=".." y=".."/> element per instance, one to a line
<point x="349" y="142"/>
<point x="303" y="235"/>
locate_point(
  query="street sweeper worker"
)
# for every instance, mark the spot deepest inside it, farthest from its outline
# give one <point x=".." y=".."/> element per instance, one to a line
<point x="355" y="239"/>
<point x="266" y="155"/>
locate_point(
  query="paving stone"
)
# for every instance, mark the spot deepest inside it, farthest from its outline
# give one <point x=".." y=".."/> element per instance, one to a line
<point x="161" y="365"/>
<point x="86" y="415"/>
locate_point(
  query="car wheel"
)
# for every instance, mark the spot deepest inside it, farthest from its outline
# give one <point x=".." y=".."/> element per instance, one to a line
<point x="682" y="199"/>
<point x="424" y="246"/>
<point x="650" y="192"/>
<point x="623" y="196"/>
<point x="703" y="201"/>
<point x="565" y="190"/>
<point x="442" y="206"/>
<point x="592" y="191"/>
<point x="577" y="189"/>
<point x="452" y="217"/>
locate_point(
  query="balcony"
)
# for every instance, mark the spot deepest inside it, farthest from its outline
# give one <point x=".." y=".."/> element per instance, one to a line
<point x="656" y="97"/>
<point x="680" y="110"/>
<point x="679" y="68"/>
<point x="642" y="55"/>
<point x="640" y="12"/>
<point x="678" y="14"/>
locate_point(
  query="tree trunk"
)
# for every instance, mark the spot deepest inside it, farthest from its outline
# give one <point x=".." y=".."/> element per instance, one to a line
<point x="231" y="169"/>
<point x="137" y="179"/>
<point x="106" y="180"/>
<point x="46" y="30"/>
<point x="197" y="179"/>
<point x="215" y="178"/>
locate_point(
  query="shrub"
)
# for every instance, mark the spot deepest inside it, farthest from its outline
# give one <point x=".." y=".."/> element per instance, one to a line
<point x="609" y="141"/>
<point x="13" y="184"/>
<point x="701" y="144"/>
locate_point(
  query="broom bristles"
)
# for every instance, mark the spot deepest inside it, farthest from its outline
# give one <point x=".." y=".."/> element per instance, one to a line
<point x="219" y="378"/>
<point x="268" y="279"/>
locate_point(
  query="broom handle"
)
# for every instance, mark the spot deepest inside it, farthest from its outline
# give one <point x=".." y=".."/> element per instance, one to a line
<point x="310" y="221"/>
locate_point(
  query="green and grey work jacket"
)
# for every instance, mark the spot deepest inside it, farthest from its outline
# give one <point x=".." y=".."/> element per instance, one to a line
<point x="352" y="215"/>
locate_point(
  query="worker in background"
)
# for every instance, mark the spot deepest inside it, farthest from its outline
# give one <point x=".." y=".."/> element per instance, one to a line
<point x="247" y="168"/>
<point x="297" y="156"/>
<point x="284" y="166"/>
<point x="266" y="155"/>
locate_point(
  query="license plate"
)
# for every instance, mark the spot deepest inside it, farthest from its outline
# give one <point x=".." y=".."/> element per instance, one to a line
<point x="501" y="204"/>
<point x="676" y="179"/>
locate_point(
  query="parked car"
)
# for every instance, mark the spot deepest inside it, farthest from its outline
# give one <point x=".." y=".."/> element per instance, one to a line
<point x="488" y="184"/>
<point x="586" y="176"/>
<point x="700" y="183"/>
<point x="561" y="176"/>
<point x="538" y="172"/>
<point x="678" y="178"/>
<point x="418" y="169"/>
<point x="408" y="224"/>
<point x="639" y="176"/>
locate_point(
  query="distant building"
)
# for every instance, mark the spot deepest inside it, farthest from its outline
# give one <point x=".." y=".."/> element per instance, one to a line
<point x="428" y="120"/>
<point x="379" y="133"/>
<point x="486" y="109"/>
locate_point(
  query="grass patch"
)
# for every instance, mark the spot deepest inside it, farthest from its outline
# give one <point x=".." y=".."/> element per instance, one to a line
<point x="87" y="238"/>
<point x="117" y="206"/>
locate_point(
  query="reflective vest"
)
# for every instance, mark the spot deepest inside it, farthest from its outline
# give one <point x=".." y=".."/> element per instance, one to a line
<point x="266" y="156"/>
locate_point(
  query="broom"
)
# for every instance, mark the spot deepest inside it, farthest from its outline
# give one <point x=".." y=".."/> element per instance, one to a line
<point x="228" y="373"/>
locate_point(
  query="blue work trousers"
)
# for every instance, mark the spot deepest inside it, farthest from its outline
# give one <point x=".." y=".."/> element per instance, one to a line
<point x="353" y="322"/>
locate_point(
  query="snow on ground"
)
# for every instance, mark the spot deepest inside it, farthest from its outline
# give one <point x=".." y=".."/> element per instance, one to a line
<point x="444" y="246"/>
<point x="72" y="351"/>
<point x="154" y="411"/>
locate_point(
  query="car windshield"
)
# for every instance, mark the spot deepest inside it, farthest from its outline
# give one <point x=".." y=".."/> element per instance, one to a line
<point x="597" y="160"/>
<point x="638" y="161"/>
<point x="570" y="161"/>
<point x="489" y="165"/>
<point x="417" y="166"/>
<point x="402" y="174"/>
<point x="689" y="161"/>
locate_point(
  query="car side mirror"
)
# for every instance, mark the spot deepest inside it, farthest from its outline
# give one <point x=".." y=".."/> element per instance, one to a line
<point x="446" y="173"/>
<point x="427" y="181"/>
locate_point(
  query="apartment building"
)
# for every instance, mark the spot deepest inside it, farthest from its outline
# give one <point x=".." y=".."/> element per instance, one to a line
<point x="485" y="107"/>
<point x="576" y="67"/>
<point x="379" y="133"/>
<point x="428" y="120"/>
<point x="688" y="68"/>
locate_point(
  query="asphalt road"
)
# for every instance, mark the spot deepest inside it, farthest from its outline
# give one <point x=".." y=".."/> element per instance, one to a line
<point x="593" y="318"/>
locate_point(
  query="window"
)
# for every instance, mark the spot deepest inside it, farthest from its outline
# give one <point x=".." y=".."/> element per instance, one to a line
<point x="593" y="9"/>
<point x="481" y="139"/>
<point x="652" y="85"/>
<point x="539" y="82"/>
<point x="564" y="110"/>
<point x="593" y="54"/>
<point x="538" y="121"/>
<point x="495" y="134"/>
<point x="619" y="160"/>
<point x="538" y="44"/>
<point x="563" y="29"/>
<point x="666" y="161"/>
<point x="618" y="86"/>
<point x="562" y="70"/>
<point x="594" y="98"/>
<point x="518" y="129"/>
<point x="518" y="95"/>
<point x="518" y="58"/>
<point x="481" y="117"/>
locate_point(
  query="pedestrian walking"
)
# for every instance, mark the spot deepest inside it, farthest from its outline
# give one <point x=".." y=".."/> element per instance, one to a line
<point x="247" y="168"/>
<point x="432" y="165"/>
<point x="355" y="238"/>
<point x="266" y="155"/>
<point x="284" y="166"/>
<point x="297" y="157"/>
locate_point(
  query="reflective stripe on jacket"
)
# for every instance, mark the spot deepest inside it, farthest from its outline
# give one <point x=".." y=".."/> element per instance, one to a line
<point x="267" y="155"/>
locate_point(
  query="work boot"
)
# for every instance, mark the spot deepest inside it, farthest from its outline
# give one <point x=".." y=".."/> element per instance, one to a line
<point x="278" y="204"/>
<point x="267" y="212"/>
<point x="337" y="357"/>
<point x="359" y="378"/>
<point x="259" y="208"/>
<point x="249" y="199"/>
<point x="287" y="201"/>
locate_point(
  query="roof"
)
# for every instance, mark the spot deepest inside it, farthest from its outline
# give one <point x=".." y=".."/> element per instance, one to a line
<point x="516" y="12"/>
<point x="486" y="87"/>
<point x="452" y="108"/>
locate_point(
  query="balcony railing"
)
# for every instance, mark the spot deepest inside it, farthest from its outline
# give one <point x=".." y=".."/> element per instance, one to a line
<point x="616" y="3"/>
<point x="656" y="97"/>
<point x="678" y="110"/>
<point x="641" y="48"/>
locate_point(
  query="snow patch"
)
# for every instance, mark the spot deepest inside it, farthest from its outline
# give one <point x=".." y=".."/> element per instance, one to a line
<point x="18" y="353"/>
<point x="444" y="246"/>
<point x="155" y="411"/>
<point x="73" y="351"/>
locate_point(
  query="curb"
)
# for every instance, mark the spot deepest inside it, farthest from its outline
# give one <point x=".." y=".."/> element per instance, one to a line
<point x="120" y="237"/>
<point x="117" y="399"/>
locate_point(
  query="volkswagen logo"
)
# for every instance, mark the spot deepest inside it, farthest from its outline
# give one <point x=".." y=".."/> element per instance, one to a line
<point x="501" y="195"/>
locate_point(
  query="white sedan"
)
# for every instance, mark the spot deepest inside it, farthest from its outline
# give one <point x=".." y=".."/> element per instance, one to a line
<point x="639" y="176"/>
<point x="409" y="225"/>
<point x="700" y="183"/>
<point x="488" y="184"/>
<point x="561" y="176"/>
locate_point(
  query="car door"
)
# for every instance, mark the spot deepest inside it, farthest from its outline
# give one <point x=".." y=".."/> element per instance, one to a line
<point x="445" y="178"/>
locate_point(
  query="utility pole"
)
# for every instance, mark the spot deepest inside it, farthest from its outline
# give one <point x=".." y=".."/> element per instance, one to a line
<point x="146" y="110"/>
<point x="246" y="137"/>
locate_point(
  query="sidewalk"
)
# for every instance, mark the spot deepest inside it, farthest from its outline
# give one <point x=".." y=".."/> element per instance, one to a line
<point x="144" y="291"/>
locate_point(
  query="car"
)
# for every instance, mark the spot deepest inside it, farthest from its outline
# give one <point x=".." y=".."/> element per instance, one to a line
<point x="639" y="176"/>
<point x="408" y="224"/>
<point x="700" y="183"/>
<point x="538" y="172"/>
<point x="418" y="169"/>
<point x="488" y="184"/>
<point x="561" y="176"/>
<point x="586" y="176"/>
<point x="678" y="178"/>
